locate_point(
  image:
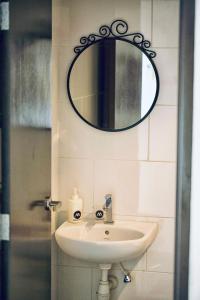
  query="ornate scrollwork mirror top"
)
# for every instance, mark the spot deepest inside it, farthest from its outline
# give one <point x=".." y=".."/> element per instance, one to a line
<point x="116" y="33"/>
<point x="119" y="29"/>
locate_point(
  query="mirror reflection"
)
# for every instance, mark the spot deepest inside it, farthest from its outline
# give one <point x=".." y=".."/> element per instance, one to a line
<point x="113" y="84"/>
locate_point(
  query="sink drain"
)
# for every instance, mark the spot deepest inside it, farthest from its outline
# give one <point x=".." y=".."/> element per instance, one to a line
<point x="107" y="232"/>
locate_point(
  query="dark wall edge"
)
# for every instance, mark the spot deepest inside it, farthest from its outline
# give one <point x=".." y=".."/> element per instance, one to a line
<point x="184" y="149"/>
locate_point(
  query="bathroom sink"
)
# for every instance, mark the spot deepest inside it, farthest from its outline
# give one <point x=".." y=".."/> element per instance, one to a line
<point x="106" y="243"/>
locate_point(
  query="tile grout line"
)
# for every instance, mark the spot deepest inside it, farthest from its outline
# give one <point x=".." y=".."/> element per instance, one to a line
<point x="166" y="105"/>
<point x="166" y="47"/>
<point x="93" y="182"/>
<point x="148" y="149"/>
<point x="97" y="268"/>
<point x="91" y="283"/>
<point x="146" y="260"/>
<point x="151" y="21"/>
<point x="118" y="159"/>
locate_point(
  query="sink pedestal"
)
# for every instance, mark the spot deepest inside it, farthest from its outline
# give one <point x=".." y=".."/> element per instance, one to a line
<point x="103" y="292"/>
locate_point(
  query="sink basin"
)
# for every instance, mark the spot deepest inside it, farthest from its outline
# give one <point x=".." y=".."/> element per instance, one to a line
<point x="106" y="243"/>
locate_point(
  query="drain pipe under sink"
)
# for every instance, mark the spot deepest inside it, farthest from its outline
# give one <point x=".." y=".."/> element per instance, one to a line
<point x="103" y="292"/>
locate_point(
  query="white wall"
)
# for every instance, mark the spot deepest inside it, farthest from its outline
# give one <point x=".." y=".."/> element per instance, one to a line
<point x="137" y="166"/>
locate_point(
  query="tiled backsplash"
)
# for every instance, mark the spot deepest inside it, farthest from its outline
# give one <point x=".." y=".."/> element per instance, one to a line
<point x="137" y="166"/>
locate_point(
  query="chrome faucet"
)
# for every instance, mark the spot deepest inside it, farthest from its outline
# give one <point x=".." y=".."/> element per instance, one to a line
<point x="108" y="209"/>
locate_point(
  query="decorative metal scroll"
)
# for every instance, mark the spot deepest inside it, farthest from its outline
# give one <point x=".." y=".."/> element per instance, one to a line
<point x="118" y="29"/>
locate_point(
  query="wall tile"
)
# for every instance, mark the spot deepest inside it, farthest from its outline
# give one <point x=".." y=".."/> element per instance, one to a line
<point x="155" y="286"/>
<point x="129" y="145"/>
<point x="76" y="138"/>
<point x="62" y="58"/>
<point x="55" y="151"/>
<point x="76" y="173"/>
<point x="96" y="275"/>
<point x="74" y="283"/>
<point x="73" y="19"/>
<point x="121" y="179"/>
<point x="157" y="187"/>
<point x="160" y="255"/>
<point x="55" y="127"/>
<point x="137" y="14"/>
<point x="144" y="286"/>
<point x="146" y="18"/>
<point x="165" y="23"/>
<point x="54" y="177"/>
<point x="138" y="188"/>
<point x="54" y="281"/>
<point x="163" y="134"/>
<point x="87" y="17"/>
<point x="60" y="17"/>
<point x="167" y="64"/>
<point x="54" y="250"/>
<point x="137" y="264"/>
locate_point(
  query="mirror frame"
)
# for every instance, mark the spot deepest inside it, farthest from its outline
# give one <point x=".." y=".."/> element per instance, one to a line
<point x="118" y="31"/>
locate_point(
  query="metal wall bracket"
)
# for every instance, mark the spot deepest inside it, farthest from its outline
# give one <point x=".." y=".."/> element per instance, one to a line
<point x="4" y="227"/>
<point x="4" y="16"/>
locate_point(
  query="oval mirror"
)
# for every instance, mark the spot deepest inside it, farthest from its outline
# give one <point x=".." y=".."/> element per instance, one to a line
<point x="113" y="84"/>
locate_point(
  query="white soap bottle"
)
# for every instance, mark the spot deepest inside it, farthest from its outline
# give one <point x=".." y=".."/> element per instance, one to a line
<point x="75" y="208"/>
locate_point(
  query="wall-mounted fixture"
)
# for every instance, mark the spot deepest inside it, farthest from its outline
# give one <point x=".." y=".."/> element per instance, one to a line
<point x="113" y="83"/>
<point x="106" y="244"/>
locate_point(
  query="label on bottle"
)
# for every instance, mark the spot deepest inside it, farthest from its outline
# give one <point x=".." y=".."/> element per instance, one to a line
<point x="77" y="215"/>
<point x="99" y="214"/>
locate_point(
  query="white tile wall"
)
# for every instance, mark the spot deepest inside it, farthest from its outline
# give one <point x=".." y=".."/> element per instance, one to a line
<point x="74" y="283"/>
<point x="144" y="286"/>
<point x="76" y="173"/>
<point x="160" y="255"/>
<point x="165" y="23"/>
<point x="138" y="188"/>
<point x="137" y="166"/>
<point x="157" y="189"/>
<point x="121" y="179"/>
<point x="163" y="133"/>
<point x="138" y="15"/>
<point x="62" y="57"/>
<point x="98" y="144"/>
<point x="60" y="28"/>
<point x="138" y="264"/>
<point x="168" y="76"/>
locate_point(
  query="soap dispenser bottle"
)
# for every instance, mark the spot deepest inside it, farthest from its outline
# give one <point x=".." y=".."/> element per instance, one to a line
<point x="75" y="208"/>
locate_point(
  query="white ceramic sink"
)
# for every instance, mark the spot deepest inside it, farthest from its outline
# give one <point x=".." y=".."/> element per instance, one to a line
<point x="106" y="243"/>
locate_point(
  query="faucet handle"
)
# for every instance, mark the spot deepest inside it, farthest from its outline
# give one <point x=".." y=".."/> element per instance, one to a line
<point x="108" y="198"/>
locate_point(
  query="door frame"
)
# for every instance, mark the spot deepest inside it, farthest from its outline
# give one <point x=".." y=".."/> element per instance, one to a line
<point x="184" y="148"/>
